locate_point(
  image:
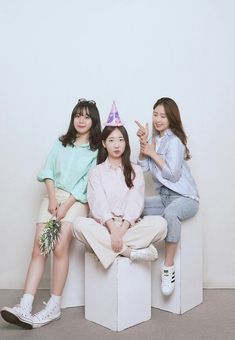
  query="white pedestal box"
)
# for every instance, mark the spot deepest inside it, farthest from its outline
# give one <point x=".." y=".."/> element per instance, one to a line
<point x="74" y="290"/>
<point x="119" y="297"/>
<point x="188" y="271"/>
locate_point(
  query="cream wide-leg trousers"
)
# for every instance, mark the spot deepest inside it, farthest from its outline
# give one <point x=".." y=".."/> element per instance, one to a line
<point x="96" y="237"/>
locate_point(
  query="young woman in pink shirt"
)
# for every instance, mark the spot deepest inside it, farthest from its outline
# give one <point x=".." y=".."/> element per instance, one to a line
<point x="116" y="199"/>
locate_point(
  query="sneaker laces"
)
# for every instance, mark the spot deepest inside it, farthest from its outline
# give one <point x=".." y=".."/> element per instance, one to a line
<point x="23" y="309"/>
<point x="45" y="312"/>
<point x="167" y="275"/>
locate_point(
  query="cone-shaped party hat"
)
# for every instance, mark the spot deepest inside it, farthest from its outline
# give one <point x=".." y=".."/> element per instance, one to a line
<point x="114" y="118"/>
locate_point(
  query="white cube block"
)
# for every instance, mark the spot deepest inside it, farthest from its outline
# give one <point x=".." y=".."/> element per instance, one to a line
<point x="74" y="290"/>
<point x="120" y="296"/>
<point x="188" y="291"/>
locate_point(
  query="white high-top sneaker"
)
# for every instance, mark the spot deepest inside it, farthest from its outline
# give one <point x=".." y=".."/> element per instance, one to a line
<point x="168" y="280"/>
<point x="19" y="315"/>
<point x="50" y="313"/>
<point x="145" y="254"/>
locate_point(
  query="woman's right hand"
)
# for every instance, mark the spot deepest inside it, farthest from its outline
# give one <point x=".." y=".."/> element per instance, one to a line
<point x="116" y="240"/>
<point x="143" y="132"/>
<point x="53" y="206"/>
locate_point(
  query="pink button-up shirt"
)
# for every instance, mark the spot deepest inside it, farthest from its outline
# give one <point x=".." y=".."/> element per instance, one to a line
<point x="108" y="195"/>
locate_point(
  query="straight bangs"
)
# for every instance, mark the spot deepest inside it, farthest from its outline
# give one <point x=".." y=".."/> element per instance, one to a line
<point x="90" y="110"/>
<point x="128" y="170"/>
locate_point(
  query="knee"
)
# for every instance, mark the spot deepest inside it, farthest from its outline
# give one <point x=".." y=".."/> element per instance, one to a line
<point x="78" y="226"/>
<point x="61" y="249"/>
<point x="160" y="222"/>
<point x="171" y="216"/>
<point x="160" y="226"/>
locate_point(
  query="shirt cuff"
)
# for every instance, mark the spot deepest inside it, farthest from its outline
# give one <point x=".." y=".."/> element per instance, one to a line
<point x="144" y="163"/>
<point x="106" y="216"/>
<point x="131" y="221"/>
<point x="44" y="175"/>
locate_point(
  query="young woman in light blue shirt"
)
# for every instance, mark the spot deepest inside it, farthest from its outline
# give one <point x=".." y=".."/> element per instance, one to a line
<point x="165" y="157"/>
<point x="65" y="176"/>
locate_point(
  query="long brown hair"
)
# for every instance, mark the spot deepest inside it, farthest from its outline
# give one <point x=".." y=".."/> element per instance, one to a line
<point x="89" y="108"/>
<point x="175" y="123"/>
<point x="128" y="170"/>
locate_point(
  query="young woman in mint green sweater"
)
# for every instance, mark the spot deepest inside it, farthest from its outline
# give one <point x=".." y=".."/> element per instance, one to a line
<point x="65" y="176"/>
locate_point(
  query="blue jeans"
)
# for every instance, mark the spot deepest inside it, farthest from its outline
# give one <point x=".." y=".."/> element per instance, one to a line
<point x="174" y="208"/>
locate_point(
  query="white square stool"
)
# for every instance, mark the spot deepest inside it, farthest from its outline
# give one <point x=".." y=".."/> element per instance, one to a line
<point x="120" y="296"/>
<point x="188" y="271"/>
<point x="74" y="290"/>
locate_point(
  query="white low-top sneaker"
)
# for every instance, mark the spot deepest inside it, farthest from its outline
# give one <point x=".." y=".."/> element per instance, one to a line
<point x="145" y="254"/>
<point x="168" y="280"/>
<point x="19" y="315"/>
<point x="48" y="314"/>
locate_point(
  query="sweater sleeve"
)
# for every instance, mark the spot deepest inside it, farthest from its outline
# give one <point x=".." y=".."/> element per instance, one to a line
<point x="49" y="167"/>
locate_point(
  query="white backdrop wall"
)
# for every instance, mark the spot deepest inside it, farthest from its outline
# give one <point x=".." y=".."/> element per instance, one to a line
<point x="133" y="51"/>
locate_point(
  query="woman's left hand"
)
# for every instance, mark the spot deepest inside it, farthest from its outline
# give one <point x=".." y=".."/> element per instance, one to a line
<point x="147" y="149"/>
<point x="116" y="240"/>
<point x="61" y="212"/>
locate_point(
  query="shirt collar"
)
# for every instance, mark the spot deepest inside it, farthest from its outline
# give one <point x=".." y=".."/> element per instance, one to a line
<point x="108" y="165"/>
<point x="86" y="145"/>
<point x="168" y="132"/>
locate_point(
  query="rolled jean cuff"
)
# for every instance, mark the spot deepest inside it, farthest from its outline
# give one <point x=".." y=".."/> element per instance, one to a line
<point x="171" y="239"/>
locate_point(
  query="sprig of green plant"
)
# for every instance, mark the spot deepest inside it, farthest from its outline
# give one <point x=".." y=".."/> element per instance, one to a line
<point x="49" y="236"/>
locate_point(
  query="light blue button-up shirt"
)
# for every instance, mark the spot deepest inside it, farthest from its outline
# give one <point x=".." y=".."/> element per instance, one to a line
<point x="175" y="174"/>
<point x="68" y="167"/>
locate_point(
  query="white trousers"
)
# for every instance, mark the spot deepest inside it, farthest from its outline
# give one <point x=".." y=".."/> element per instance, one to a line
<point x="97" y="237"/>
